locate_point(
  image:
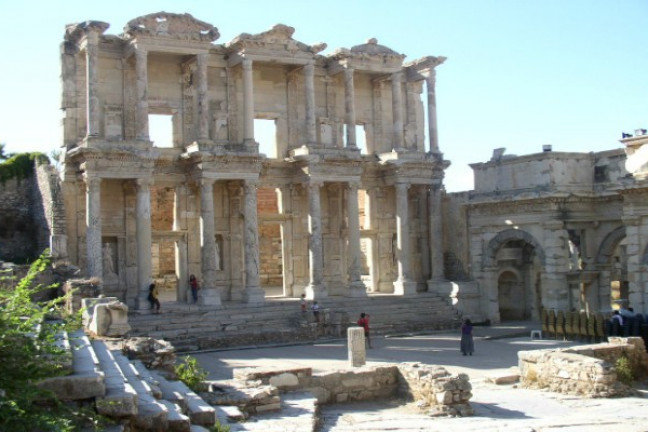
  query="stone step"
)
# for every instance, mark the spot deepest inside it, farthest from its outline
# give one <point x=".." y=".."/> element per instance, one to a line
<point x="86" y="379"/>
<point x="199" y="412"/>
<point x="176" y="420"/>
<point x="151" y="414"/>
<point x="298" y="414"/>
<point x="120" y="399"/>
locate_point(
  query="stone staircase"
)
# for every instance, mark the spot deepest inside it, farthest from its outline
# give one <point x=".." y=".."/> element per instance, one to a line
<point x="126" y="391"/>
<point x="279" y="320"/>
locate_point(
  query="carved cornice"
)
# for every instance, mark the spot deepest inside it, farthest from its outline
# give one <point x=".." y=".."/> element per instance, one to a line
<point x="75" y="33"/>
<point x="280" y="35"/>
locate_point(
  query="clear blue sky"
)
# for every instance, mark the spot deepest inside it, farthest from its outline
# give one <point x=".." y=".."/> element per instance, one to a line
<point x="519" y="74"/>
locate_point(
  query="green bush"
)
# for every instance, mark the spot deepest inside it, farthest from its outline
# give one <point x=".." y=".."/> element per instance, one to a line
<point x="190" y="373"/>
<point x="21" y="165"/>
<point x="624" y="371"/>
<point x="28" y="355"/>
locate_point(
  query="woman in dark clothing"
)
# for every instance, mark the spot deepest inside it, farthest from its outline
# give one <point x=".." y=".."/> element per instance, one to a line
<point x="467" y="345"/>
<point x="153" y="299"/>
<point x="193" y="284"/>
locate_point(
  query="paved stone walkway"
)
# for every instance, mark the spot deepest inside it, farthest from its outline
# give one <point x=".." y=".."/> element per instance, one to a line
<point x="504" y="408"/>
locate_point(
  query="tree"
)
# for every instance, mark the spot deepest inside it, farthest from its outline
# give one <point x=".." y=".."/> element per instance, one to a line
<point x="3" y="156"/>
<point x="28" y="354"/>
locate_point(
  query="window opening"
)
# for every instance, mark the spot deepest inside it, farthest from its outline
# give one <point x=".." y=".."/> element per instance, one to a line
<point x="161" y="130"/>
<point x="265" y="132"/>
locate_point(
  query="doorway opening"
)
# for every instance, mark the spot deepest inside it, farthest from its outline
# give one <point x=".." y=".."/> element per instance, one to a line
<point x="161" y="130"/>
<point x="265" y="132"/>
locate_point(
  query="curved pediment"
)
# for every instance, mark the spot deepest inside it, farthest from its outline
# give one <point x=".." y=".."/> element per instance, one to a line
<point x="372" y="47"/>
<point x="279" y="35"/>
<point x="171" y="25"/>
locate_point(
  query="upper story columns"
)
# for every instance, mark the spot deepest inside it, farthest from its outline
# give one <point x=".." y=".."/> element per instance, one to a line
<point x="203" y="102"/>
<point x="309" y="80"/>
<point x="349" y="106"/>
<point x="248" y="101"/>
<point x="141" y="88"/>
<point x="433" y="131"/>
<point x="397" y="108"/>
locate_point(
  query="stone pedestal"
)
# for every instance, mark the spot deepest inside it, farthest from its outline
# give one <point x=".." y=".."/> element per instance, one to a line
<point x="404" y="288"/>
<point x="106" y="316"/>
<point x="254" y="296"/>
<point x="209" y="297"/>
<point x="356" y="344"/>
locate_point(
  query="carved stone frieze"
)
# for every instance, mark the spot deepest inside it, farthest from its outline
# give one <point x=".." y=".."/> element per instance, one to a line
<point x="171" y="25"/>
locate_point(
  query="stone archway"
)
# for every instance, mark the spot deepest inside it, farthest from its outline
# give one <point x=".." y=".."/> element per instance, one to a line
<point x="516" y="260"/>
<point x="511" y="295"/>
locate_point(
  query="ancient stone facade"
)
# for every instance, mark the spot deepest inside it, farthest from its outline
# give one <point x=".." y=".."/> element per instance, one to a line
<point x="552" y="230"/>
<point x="213" y="203"/>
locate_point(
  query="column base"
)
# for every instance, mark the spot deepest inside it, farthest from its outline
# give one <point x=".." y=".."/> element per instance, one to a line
<point x="254" y="295"/>
<point x="405" y="288"/>
<point x="315" y="292"/>
<point x="440" y="287"/>
<point x="356" y="289"/>
<point x="142" y="303"/>
<point x="209" y="297"/>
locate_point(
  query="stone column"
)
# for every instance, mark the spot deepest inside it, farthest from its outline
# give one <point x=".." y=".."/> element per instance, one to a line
<point x="433" y="133"/>
<point x="92" y="84"/>
<point x="403" y="285"/>
<point x="143" y="227"/>
<point x="179" y="225"/>
<point x="349" y="106"/>
<point x="315" y="290"/>
<point x="436" y="234"/>
<point x="94" y="263"/>
<point x="356" y="346"/>
<point x="309" y="79"/>
<point x="248" y="101"/>
<point x="209" y="294"/>
<point x="356" y="286"/>
<point x="203" y="102"/>
<point x="253" y="292"/>
<point x="142" y="110"/>
<point x="397" y="108"/>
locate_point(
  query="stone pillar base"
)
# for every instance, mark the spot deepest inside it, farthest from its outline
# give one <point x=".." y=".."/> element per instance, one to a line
<point x="440" y="287"/>
<point x="315" y="292"/>
<point x="405" y="288"/>
<point x="209" y="297"/>
<point x="254" y="296"/>
<point x="356" y="289"/>
<point x="142" y="303"/>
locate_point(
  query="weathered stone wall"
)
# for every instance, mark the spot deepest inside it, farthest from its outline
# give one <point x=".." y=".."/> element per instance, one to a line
<point x="433" y="388"/>
<point x="18" y="228"/>
<point x="585" y="370"/>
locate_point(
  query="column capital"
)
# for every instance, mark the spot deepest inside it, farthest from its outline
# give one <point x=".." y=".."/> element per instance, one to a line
<point x="143" y="183"/>
<point x="246" y="63"/>
<point x="91" y="181"/>
<point x="206" y="182"/>
<point x="353" y="185"/>
<point x="314" y="184"/>
<point x="249" y="185"/>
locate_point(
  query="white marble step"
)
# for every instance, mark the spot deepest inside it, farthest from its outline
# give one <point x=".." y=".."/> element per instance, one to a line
<point x="120" y="399"/>
<point x="199" y="411"/>
<point x="86" y="380"/>
<point x="151" y="414"/>
<point x="298" y="414"/>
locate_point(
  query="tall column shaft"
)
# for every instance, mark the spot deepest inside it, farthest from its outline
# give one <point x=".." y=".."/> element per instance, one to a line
<point x="207" y="234"/>
<point x="94" y="263"/>
<point x="397" y="108"/>
<point x="436" y="234"/>
<point x="316" y="288"/>
<point x="248" y="101"/>
<point x="403" y="285"/>
<point x="143" y="226"/>
<point x="92" y="83"/>
<point x="142" y="110"/>
<point x="349" y="107"/>
<point x="430" y="81"/>
<point x="309" y="79"/>
<point x="253" y="292"/>
<point x="203" y="103"/>
<point x="356" y="286"/>
<point x="180" y="224"/>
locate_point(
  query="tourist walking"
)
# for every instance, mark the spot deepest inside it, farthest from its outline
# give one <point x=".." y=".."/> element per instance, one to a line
<point x="467" y="344"/>
<point x="193" y="284"/>
<point x="315" y="309"/>
<point x="302" y="304"/>
<point x="153" y="298"/>
<point x="364" y="323"/>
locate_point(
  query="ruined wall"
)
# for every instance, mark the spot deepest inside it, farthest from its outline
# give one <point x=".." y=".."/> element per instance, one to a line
<point x="23" y="228"/>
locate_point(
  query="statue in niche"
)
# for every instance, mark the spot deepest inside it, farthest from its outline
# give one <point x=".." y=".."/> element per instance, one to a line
<point x="575" y="262"/>
<point x="108" y="267"/>
<point x="217" y="257"/>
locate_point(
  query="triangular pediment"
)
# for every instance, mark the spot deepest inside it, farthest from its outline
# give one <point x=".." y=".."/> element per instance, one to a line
<point x="171" y="25"/>
<point x="278" y="37"/>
